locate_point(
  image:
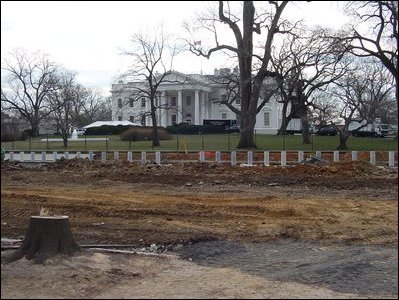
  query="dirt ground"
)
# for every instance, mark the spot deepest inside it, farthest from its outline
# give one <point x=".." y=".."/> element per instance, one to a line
<point x="240" y="214"/>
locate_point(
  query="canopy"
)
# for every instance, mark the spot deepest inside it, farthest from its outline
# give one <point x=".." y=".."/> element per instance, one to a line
<point x="111" y="123"/>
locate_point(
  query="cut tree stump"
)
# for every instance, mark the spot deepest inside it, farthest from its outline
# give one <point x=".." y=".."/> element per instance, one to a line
<point x="46" y="236"/>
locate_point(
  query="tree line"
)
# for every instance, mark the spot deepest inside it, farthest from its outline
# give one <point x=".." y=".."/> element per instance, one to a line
<point x="319" y="75"/>
<point x="39" y="91"/>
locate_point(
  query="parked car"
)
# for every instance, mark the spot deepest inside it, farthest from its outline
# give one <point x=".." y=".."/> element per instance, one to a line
<point x="332" y="131"/>
<point x="80" y="131"/>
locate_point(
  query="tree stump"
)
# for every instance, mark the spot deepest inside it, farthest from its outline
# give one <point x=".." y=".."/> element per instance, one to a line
<point x="46" y="236"/>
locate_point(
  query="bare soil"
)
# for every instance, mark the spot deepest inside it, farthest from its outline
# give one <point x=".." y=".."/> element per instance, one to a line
<point x="244" y="217"/>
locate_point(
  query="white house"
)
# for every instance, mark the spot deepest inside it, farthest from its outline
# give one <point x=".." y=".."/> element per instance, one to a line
<point x="186" y="98"/>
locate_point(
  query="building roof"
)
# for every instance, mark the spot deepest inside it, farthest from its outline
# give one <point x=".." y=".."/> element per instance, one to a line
<point x="111" y="123"/>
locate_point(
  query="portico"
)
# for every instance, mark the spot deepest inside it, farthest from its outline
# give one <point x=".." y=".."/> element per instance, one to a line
<point x="185" y="98"/>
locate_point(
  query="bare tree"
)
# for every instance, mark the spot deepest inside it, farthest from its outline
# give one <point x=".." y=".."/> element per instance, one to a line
<point x="31" y="82"/>
<point x="381" y="40"/>
<point x="152" y="63"/>
<point x="251" y="73"/>
<point x="307" y="62"/>
<point x="361" y="92"/>
<point x="95" y="108"/>
<point x="63" y="104"/>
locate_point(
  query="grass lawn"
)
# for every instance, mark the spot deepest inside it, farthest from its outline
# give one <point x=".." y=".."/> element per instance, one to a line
<point x="208" y="142"/>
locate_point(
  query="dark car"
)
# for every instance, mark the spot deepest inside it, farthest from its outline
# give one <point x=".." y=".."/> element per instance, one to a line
<point x="327" y="131"/>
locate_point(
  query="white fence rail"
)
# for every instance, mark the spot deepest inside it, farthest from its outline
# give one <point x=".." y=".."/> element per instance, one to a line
<point x="265" y="158"/>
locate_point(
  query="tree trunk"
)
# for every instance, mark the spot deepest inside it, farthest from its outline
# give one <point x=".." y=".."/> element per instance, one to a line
<point x="343" y="138"/>
<point x="35" y="128"/>
<point x="155" y="139"/>
<point x="247" y="133"/>
<point x="46" y="236"/>
<point x="65" y="140"/>
<point x="305" y="130"/>
<point x="284" y="123"/>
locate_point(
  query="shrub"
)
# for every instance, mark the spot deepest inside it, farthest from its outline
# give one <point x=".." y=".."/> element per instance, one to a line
<point x="144" y="133"/>
<point x="185" y="128"/>
<point x="26" y="133"/>
<point x="107" y="130"/>
<point x="7" y="137"/>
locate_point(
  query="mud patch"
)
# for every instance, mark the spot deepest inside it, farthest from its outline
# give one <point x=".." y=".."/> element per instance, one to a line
<point x="364" y="270"/>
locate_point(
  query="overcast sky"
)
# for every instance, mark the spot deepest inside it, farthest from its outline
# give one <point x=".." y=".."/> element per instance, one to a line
<point x="88" y="37"/>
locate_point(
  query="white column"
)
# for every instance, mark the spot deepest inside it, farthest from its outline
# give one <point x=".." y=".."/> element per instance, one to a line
<point x="179" y="106"/>
<point x="203" y="108"/>
<point x="205" y="105"/>
<point x="211" y="107"/>
<point x="162" y="112"/>
<point x="148" y="111"/>
<point x="197" y="108"/>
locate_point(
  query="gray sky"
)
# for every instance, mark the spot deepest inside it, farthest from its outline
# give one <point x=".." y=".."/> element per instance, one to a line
<point x="88" y="37"/>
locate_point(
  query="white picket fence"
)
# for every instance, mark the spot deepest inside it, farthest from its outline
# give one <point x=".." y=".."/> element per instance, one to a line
<point x="143" y="157"/>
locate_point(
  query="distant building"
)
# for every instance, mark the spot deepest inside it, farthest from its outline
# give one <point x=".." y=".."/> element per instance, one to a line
<point x="188" y="98"/>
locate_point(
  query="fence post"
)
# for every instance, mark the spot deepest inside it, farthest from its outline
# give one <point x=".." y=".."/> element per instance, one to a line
<point x="21" y="156"/>
<point x="11" y="156"/>
<point x="66" y="155"/>
<point x="266" y="158"/>
<point x="233" y="156"/>
<point x="283" y="158"/>
<point x="43" y="156"/>
<point x="354" y="155"/>
<point x="116" y="155"/>
<point x="336" y="156"/>
<point x="79" y="155"/>
<point x="129" y="156"/>
<point x="143" y="157"/>
<point x="32" y="156"/>
<point x="318" y="154"/>
<point x="372" y="157"/>
<point x="54" y="155"/>
<point x="103" y="156"/>
<point x="90" y="155"/>
<point x="217" y="156"/>
<point x="250" y="158"/>
<point x="202" y="156"/>
<point x="158" y="157"/>
<point x="300" y="156"/>
<point x="391" y="155"/>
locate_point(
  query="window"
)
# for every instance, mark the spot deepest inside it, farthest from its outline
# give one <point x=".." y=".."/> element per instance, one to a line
<point x="143" y="102"/>
<point x="224" y="97"/>
<point x="143" y="120"/>
<point x="224" y="116"/>
<point x="119" y="103"/>
<point x="188" y="100"/>
<point x="266" y="119"/>
<point x="131" y="102"/>
<point x="174" y="118"/>
<point x="188" y="118"/>
<point x="173" y="101"/>
<point x="119" y="118"/>
<point x="132" y="119"/>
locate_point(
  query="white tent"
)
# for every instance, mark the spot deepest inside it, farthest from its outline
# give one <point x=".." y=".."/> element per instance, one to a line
<point x="111" y="123"/>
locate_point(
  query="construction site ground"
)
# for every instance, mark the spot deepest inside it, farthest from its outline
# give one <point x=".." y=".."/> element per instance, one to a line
<point x="301" y="231"/>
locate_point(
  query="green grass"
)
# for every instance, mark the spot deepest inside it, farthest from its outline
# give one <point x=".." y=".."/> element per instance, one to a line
<point x="209" y="142"/>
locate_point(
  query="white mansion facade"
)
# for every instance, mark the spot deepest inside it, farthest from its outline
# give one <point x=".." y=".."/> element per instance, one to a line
<point x="186" y="98"/>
